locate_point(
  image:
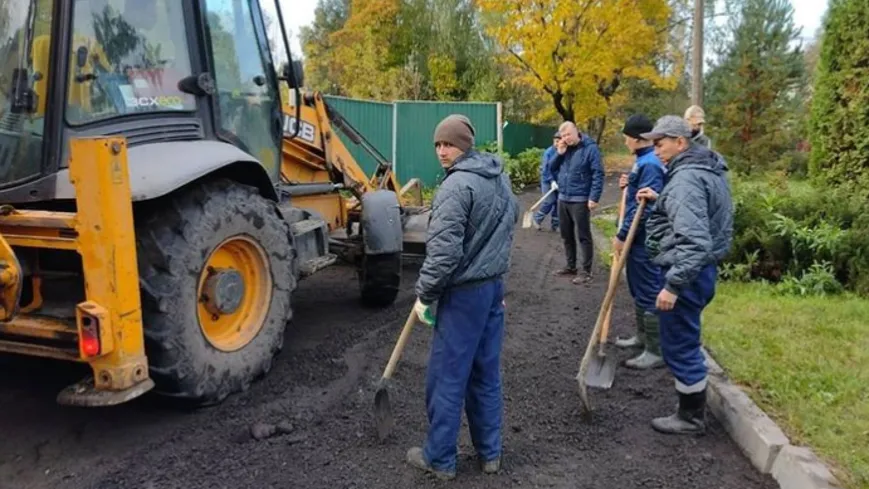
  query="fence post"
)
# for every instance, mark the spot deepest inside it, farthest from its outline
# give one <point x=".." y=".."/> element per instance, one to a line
<point x="500" y="129"/>
<point x="395" y="139"/>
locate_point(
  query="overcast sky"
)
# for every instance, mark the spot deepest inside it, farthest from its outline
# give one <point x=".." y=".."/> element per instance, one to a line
<point x="301" y="12"/>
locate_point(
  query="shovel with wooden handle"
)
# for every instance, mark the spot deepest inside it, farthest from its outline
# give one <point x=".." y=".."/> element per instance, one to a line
<point x="602" y="371"/>
<point x="607" y="303"/>
<point x="382" y="410"/>
<point x="527" y="219"/>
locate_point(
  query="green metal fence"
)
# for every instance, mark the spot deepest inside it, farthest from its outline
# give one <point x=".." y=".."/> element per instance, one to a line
<point x="520" y="136"/>
<point x="416" y="121"/>
<point x="373" y="120"/>
<point x="402" y="132"/>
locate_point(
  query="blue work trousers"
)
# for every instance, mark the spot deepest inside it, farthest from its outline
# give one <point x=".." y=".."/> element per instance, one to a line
<point x="645" y="279"/>
<point x="464" y="367"/>
<point x="548" y="207"/>
<point x="680" y="332"/>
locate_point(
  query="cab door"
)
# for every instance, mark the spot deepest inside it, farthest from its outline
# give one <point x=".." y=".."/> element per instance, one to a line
<point x="246" y="100"/>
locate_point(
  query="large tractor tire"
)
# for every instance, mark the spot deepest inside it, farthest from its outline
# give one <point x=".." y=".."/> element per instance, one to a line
<point x="215" y="268"/>
<point x="380" y="265"/>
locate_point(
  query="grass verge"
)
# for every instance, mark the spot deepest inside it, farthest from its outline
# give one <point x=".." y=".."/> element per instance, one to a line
<point x="803" y="360"/>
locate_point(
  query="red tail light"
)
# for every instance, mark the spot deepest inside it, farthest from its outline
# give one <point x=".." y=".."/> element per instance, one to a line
<point x="89" y="340"/>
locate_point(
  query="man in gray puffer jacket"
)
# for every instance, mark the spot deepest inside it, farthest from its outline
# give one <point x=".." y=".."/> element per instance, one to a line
<point x="689" y="231"/>
<point x="460" y="293"/>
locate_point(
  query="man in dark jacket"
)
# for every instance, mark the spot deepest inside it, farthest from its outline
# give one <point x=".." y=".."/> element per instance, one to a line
<point x="644" y="277"/>
<point x="460" y="292"/>
<point x="689" y="231"/>
<point x="579" y="175"/>
<point x="547" y="183"/>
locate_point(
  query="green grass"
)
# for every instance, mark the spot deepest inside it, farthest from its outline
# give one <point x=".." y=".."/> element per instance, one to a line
<point x="805" y="361"/>
<point x="606" y="222"/>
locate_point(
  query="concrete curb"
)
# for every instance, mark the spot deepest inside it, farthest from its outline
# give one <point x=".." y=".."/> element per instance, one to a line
<point x="761" y="440"/>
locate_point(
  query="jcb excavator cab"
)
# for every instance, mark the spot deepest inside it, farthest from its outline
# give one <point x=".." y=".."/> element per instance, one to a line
<point x="145" y="228"/>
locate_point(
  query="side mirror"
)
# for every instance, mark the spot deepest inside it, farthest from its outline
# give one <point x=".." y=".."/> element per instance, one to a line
<point x="294" y="73"/>
<point x="81" y="56"/>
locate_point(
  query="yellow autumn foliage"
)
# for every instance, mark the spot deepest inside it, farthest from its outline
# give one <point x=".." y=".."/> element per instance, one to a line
<point x="580" y="51"/>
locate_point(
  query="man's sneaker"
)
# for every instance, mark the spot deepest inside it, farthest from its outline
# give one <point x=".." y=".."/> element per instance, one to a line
<point x="416" y="459"/>
<point x="536" y="225"/>
<point x="564" y="272"/>
<point x="583" y="278"/>
<point x="491" y="467"/>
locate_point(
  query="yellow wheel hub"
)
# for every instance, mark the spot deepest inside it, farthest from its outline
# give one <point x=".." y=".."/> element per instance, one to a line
<point x="234" y="293"/>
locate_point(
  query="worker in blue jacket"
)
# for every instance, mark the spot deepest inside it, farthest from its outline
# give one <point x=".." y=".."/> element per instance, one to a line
<point x="550" y="205"/>
<point x="460" y="294"/>
<point x="689" y="231"/>
<point x="578" y="172"/>
<point x="645" y="279"/>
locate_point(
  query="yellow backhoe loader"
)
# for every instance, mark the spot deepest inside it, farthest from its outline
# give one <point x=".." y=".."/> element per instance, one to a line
<point x="164" y="188"/>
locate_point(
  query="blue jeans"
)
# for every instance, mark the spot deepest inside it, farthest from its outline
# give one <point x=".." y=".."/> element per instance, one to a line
<point x="680" y="332"/>
<point x="548" y="207"/>
<point x="464" y="367"/>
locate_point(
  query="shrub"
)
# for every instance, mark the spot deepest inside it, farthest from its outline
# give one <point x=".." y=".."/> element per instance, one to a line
<point x="791" y="232"/>
<point x="523" y="169"/>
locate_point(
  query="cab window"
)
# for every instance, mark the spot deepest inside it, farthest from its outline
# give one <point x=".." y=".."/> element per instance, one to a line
<point x="127" y="57"/>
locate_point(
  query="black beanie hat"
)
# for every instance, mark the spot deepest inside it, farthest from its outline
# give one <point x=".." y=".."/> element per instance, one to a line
<point x="636" y="125"/>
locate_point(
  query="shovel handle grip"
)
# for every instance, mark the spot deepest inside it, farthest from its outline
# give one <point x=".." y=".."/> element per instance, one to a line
<point x="399" y="345"/>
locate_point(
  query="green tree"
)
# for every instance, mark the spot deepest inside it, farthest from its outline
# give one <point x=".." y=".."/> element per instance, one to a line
<point x="840" y="107"/>
<point x="754" y="87"/>
<point x="413" y="49"/>
<point x="316" y="40"/>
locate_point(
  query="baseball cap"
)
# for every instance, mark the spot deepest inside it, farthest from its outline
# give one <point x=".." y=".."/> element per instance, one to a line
<point x="671" y="126"/>
<point x="636" y="125"/>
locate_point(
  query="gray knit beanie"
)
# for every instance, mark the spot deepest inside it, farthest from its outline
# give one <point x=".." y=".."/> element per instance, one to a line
<point x="457" y="130"/>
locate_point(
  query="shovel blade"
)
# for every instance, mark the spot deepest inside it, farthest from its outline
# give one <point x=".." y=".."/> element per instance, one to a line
<point x="527" y="219"/>
<point x="601" y="371"/>
<point x="383" y="419"/>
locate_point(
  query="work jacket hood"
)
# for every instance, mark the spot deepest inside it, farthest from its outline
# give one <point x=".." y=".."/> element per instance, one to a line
<point x="483" y="164"/>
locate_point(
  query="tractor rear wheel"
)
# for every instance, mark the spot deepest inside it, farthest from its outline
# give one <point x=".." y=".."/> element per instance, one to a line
<point x="215" y="269"/>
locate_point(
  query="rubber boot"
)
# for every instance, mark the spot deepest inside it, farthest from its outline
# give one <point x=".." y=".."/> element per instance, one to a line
<point x="690" y="418"/>
<point x="637" y="340"/>
<point x="651" y="356"/>
<point x="416" y="459"/>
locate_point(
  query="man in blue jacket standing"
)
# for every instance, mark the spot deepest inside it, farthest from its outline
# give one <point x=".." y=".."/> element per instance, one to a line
<point x="550" y="205"/>
<point x="578" y="172"/>
<point x="689" y="231"/>
<point x="460" y="293"/>
<point x="644" y="277"/>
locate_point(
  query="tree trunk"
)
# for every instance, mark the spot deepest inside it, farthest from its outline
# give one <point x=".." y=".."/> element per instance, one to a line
<point x="596" y="128"/>
<point x="566" y="112"/>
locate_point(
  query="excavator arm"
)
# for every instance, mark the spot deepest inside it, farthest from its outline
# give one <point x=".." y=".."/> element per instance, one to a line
<point x="317" y="153"/>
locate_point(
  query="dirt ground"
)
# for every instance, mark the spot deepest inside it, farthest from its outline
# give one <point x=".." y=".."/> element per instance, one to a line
<point x="322" y="386"/>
